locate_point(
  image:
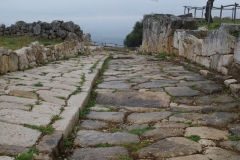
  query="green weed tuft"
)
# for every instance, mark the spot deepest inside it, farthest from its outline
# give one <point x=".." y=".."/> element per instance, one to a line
<point x="44" y="129"/>
<point x="194" y="138"/>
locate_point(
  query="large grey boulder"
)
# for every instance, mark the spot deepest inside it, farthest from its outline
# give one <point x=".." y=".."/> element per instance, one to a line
<point x="61" y="33"/>
<point x="56" y="25"/>
<point x="46" y="25"/>
<point x="69" y="26"/>
<point x="72" y="36"/>
<point x="37" y="29"/>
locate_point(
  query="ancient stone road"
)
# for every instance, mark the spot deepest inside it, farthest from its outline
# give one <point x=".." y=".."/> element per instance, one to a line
<point x="158" y="110"/>
<point x="145" y="110"/>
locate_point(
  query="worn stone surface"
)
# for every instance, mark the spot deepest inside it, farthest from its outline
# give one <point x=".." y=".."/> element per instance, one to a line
<point x="235" y="129"/>
<point x="162" y="133"/>
<point x="182" y="91"/>
<point x="170" y="147"/>
<point x="115" y="117"/>
<point x="99" y="153"/>
<point x="196" y="157"/>
<point x="135" y="126"/>
<point x="88" y="124"/>
<point x="16" y="135"/>
<point x="210" y="99"/>
<point x="216" y="153"/>
<point x="207" y="143"/>
<point x="24" y="117"/>
<point x="147" y="117"/>
<point x="207" y="133"/>
<point x="139" y="99"/>
<point x="209" y="88"/>
<point x="91" y="138"/>
<point x="164" y="125"/>
<point x="114" y="85"/>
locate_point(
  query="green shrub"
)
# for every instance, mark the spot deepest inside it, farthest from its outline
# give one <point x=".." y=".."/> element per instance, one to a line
<point x="134" y="39"/>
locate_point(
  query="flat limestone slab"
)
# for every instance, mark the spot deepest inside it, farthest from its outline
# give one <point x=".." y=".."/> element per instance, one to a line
<point x="16" y="135"/>
<point x="92" y="138"/>
<point x="217" y="118"/>
<point x="192" y="157"/>
<point x="47" y="108"/>
<point x="6" y="158"/>
<point x="109" y="153"/>
<point x="147" y="117"/>
<point x="114" y="85"/>
<point x="171" y="125"/>
<point x="209" y="88"/>
<point x="207" y="133"/>
<point x="19" y="100"/>
<point x="24" y="117"/>
<point x="88" y="124"/>
<point x="162" y="133"/>
<point x="210" y="99"/>
<point x="235" y="129"/>
<point x="51" y="97"/>
<point x="170" y="147"/>
<point x="8" y="105"/>
<point x="215" y="153"/>
<point x="234" y="145"/>
<point x="135" y="99"/>
<point x="116" y="117"/>
<point x="182" y="92"/>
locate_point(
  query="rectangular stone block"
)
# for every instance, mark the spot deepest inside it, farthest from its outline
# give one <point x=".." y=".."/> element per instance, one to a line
<point x="235" y="89"/>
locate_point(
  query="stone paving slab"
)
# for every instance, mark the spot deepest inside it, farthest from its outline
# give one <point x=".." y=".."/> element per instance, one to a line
<point x="92" y="138"/>
<point x="207" y="133"/>
<point x="170" y="147"/>
<point x="161" y="133"/>
<point x="192" y="157"/>
<point x="109" y="153"/>
<point x="135" y="99"/>
<point x="8" y="105"/>
<point x="235" y="129"/>
<point x="89" y="124"/>
<point x="209" y="88"/>
<point x="17" y="135"/>
<point x="164" y="125"/>
<point x="6" y="158"/>
<point x="215" y="153"/>
<point x="115" y="117"/>
<point x="24" y="117"/>
<point x="182" y="92"/>
<point x="147" y="117"/>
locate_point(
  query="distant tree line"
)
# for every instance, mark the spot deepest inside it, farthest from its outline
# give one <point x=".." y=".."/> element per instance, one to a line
<point x="134" y="39"/>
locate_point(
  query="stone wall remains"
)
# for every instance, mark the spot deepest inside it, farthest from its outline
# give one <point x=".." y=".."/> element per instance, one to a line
<point x="36" y="54"/>
<point x="218" y="49"/>
<point x="55" y="30"/>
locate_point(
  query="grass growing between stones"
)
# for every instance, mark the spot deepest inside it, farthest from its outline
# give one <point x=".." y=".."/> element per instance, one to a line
<point x="44" y="129"/>
<point x="27" y="156"/>
<point x="233" y="138"/>
<point x="124" y="158"/>
<point x="103" y="145"/>
<point x="238" y="100"/>
<point x="15" y="43"/>
<point x="83" y="79"/>
<point x="57" y="117"/>
<point x="84" y="112"/>
<point x="134" y="131"/>
<point x="78" y="90"/>
<point x="39" y="84"/>
<point x="134" y="147"/>
<point x="194" y="138"/>
<point x="106" y="64"/>
<point x="69" y="140"/>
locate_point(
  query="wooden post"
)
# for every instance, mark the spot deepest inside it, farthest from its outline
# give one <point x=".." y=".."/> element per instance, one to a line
<point x="209" y="14"/>
<point x="202" y="15"/>
<point x="185" y="9"/>
<point x="221" y="14"/>
<point x="235" y="12"/>
<point x="232" y="13"/>
<point x="188" y="10"/>
<point x="195" y="12"/>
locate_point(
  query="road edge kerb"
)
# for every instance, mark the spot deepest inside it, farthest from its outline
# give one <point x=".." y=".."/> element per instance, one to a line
<point x="51" y="145"/>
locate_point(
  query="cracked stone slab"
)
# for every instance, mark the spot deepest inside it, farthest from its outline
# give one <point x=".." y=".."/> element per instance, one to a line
<point x="170" y="125"/>
<point x="170" y="147"/>
<point x="116" y="117"/>
<point x="89" y="124"/>
<point x="210" y="99"/>
<point x="114" y="85"/>
<point x="218" y="118"/>
<point x="162" y="133"/>
<point x="235" y="129"/>
<point x="51" y="97"/>
<point x="191" y="157"/>
<point x="17" y="135"/>
<point x="207" y="133"/>
<point x="209" y="88"/>
<point x="109" y="153"/>
<point x="47" y="108"/>
<point x="24" y="117"/>
<point x="8" y="105"/>
<point x="206" y="109"/>
<point x="147" y="117"/>
<point x="182" y="92"/>
<point x="92" y="138"/>
<point x="135" y="99"/>
<point x="215" y="153"/>
<point x="156" y="84"/>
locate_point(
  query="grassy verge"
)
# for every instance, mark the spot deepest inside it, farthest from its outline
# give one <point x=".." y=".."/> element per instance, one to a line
<point x="15" y="43"/>
<point x="216" y="23"/>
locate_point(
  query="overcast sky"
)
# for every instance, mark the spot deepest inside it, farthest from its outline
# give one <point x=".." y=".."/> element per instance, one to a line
<point x="106" y="20"/>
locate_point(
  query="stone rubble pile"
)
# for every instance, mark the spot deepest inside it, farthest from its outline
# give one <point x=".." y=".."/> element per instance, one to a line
<point x="55" y="30"/>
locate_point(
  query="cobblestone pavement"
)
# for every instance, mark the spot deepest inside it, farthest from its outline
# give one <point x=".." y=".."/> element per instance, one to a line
<point x="38" y="105"/>
<point x="157" y="110"/>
